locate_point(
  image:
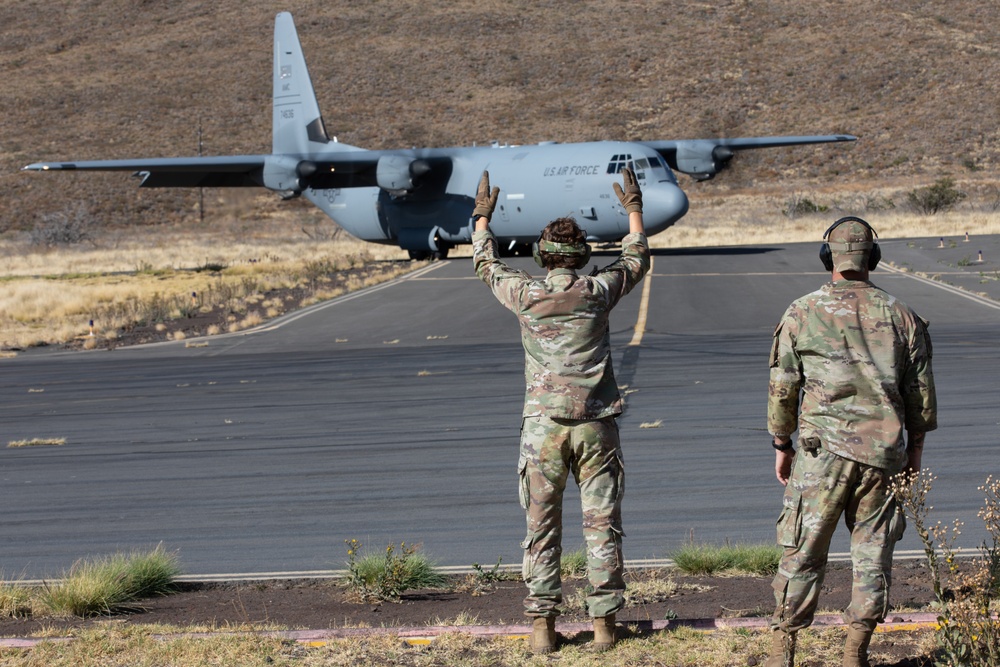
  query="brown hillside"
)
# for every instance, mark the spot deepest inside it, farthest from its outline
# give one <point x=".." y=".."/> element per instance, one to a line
<point x="917" y="81"/>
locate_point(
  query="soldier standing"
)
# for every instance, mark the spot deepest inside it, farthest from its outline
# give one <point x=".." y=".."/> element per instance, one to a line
<point x="861" y="360"/>
<point x="571" y="401"/>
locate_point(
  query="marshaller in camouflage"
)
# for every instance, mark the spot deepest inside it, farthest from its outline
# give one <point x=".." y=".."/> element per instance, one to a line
<point x="568" y="422"/>
<point x="850" y="370"/>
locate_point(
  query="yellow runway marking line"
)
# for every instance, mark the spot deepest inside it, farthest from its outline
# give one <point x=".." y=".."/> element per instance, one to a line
<point x="640" y="323"/>
<point x="419" y="641"/>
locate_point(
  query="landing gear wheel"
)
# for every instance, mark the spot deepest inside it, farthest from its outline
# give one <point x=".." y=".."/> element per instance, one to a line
<point x="519" y="250"/>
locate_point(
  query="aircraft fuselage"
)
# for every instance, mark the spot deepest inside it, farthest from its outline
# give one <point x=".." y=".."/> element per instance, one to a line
<point x="538" y="183"/>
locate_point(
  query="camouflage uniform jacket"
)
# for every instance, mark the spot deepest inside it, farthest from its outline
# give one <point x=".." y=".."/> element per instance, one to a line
<point x="564" y="328"/>
<point x="862" y="361"/>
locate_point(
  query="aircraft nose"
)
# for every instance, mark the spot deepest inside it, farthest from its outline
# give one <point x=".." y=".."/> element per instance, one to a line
<point x="663" y="204"/>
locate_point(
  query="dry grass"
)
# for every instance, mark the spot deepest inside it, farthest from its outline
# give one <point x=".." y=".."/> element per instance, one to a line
<point x="159" y="274"/>
<point x="108" y="584"/>
<point x="16" y="601"/>
<point x="37" y="442"/>
<point x="152" y="645"/>
<point x="757" y="217"/>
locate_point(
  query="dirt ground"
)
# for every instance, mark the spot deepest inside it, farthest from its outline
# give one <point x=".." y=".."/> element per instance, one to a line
<point x="325" y="604"/>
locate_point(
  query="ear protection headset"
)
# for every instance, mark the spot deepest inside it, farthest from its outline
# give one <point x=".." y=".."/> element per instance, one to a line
<point x="581" y="250"/>
<point x="874" y="252"/>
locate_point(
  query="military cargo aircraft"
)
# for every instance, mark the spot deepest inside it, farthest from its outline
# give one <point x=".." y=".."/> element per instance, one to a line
<point x="421" y="199"/>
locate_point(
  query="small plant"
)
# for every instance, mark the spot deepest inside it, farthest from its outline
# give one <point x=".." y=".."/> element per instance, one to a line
<point x="970" y="164"/>
<point x="653" y="587"/>
<point x="967" y="633"/>
<point x="574" y="564"/>
<point x="61" y="228"/>
<point x="386" y="576"/>
<point x="482" y="581"/>
<point x="936" y="198"/>
<point x="211" y="267"/>
<point x="485" y="580"/>
<point x="704" y="559"/>
<point x="315" y="271"/>
<point x="15" y="601"/>
<point x="106" y="585"/>
<point x="798" y="205"/>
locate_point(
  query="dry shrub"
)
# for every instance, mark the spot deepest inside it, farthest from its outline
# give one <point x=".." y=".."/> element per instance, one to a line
<point x="966" y="590"/>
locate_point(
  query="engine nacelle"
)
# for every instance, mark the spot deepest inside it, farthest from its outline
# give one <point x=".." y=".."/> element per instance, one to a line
<point x="702" y="159"/>
<point x="287" y="175"/>
<point x="399" y="173"/>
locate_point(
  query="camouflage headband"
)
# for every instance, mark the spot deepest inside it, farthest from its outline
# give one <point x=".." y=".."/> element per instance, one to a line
<point x="562" y="248"/>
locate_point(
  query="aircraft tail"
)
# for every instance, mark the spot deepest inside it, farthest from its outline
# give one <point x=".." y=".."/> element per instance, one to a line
<point x="298" y="126"/>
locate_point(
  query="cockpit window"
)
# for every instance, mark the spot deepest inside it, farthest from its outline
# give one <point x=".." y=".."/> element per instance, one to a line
<point x="639" y="164"/>
<point x="619" y="162"/>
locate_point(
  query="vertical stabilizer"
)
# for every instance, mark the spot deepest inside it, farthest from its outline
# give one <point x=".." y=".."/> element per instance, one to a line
<point x="298" y="126"/>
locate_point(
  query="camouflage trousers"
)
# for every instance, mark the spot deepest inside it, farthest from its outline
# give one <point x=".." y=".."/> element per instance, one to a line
<point x="550" y="449"/>
<point x="822" y="487"/>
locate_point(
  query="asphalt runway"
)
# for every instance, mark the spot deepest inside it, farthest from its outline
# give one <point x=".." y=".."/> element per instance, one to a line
<point x="392" y="414"/>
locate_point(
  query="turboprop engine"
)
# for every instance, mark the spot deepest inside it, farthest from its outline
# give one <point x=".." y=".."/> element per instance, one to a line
<point x="287" y="175"/>
<point x="398" y="173"/>
<point x="702" y="159"/>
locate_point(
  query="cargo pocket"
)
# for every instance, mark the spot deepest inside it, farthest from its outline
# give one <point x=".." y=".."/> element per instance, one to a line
<point x="789" y="525"/>
<point x="617" y="534"/>
<point x="528" y="561"/>
<point x="523" y="494"/>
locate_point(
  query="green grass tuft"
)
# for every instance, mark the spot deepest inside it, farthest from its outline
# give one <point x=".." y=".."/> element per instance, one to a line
<point x="15" y="600"/>
<point x="574" y="563"/>
<point x="107" y="584"/>
<point x="388" y="574"/>
<point x="705" y="559"/>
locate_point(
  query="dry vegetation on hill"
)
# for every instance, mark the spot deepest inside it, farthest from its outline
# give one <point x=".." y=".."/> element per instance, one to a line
<point x="917" y="81"/>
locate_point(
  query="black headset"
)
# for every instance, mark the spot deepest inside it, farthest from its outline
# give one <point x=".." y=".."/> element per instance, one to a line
<point x="552" y="248"/>
<point x="874" y="252"/>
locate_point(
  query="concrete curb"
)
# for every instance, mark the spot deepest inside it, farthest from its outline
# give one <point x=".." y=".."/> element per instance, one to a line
<point x="427" y="634"/>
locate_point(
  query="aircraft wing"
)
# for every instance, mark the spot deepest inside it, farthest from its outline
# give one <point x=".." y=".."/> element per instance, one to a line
<point x="345" y="169"/>
<point x="704" y="158"/>
<point x="230" y="171"/>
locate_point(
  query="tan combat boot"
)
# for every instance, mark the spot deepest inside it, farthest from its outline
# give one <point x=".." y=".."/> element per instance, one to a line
<point x="543" y="634"/>
<point x="782" y="649"/>
<point x="604" y="633"/>
<point x="856" y="648"/>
